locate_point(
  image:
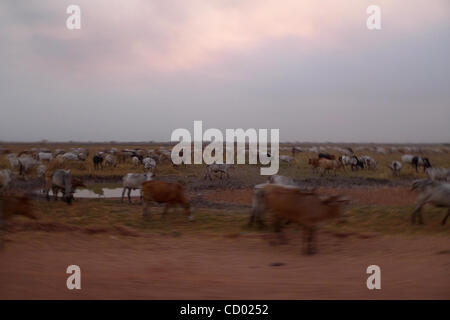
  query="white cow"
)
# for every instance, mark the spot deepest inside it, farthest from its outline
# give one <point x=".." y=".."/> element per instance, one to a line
<point x="149" y="164"/>
<point x="45" y="156"/>
<point x="133" y="181"/>
<point x="26" y="164"/>
<point x="70" y="156"/>
<point x="41" y="170"/>
<point x="369" y="162"/>
<point x="432" y="192"/>
<point x="135" y="161"/>
<point x="438" y="174"/>
<point x="396" y="167"/>
<point x="5" y="180"/>
<point x="407" y="158"/>
<point x="110" y="160"/>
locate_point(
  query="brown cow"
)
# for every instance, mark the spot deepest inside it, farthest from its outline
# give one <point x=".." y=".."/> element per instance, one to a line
<point x="314" y="163"/>
<point x="329" y="165"/>
<point x="290" y="204"/>
<point x="164" y="192"/>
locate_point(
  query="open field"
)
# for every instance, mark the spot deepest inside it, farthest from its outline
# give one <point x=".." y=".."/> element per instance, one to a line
<point x="217" y="256"/>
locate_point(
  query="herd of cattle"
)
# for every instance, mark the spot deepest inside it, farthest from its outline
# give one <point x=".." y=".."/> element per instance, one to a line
<point x="280" y="195"/>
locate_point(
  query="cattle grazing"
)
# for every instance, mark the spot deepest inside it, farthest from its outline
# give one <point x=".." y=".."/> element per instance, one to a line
<point x="369" y="162"/>
<point x="13" y="161"/>
<point x="314" y="163"/>
<point x="164" y="192"/>
<point x="110" y="161"/>
<point x="420" y="162"/>
<point x="290" y="204"/>
<point x="407" y="158"/>
<point x="76" y="183"/>
<point x="26" y="164"/>
<point x="329" y="165"/>
<point x="5" y="180"/>
<point x="149" y="164"/>
<point x="327" y="156"/>
<point x="215" y="168"/>
<point x="44" y="156"/>
<point x="432" y="192"/>
<point x="98" y="161"/>
<point x="69" y="156"/>
<point x="345" y="160"/>
<point x="135" y="161"/>
<point x="356" y="163"/>
<point x="396" y="167"/>
<point x="59" y="151"/>
<point x="133" y="181"/>
<point x="41" y="170"/>
<point x="60" y="180"/>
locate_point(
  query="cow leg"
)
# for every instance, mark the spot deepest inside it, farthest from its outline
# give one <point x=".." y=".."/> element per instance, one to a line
<point x="445" y="219"/>
<point x="255" y="216"/>
<point x="129" y="195"/>
<point x="55" y="193"/>
<point x="166" y="209"/>
<point x="258" y="207"/>
<point x="252" y="218"/>
<point x="277" y="226"/>
<point x="123" y="194"/>
<point x="417" y="211"/>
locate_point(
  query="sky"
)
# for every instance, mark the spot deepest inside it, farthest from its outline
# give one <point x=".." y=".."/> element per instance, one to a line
<point x="139" y="69"/>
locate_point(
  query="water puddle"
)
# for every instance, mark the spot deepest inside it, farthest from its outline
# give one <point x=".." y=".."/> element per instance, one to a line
<point x="103" y="193"/>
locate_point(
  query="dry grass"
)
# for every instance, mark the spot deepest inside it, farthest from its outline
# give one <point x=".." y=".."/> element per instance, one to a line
<point x="110" y="213"/>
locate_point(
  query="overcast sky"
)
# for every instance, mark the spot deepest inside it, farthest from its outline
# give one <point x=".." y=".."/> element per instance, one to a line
<point x="138" y="69"/>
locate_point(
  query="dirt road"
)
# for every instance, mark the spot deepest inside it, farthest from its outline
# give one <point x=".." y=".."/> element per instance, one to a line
<point x="235" y="266"/>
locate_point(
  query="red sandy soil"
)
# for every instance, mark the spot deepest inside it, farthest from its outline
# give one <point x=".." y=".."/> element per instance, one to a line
<point x="389" y="196"/>
<point x="33" y="266"/>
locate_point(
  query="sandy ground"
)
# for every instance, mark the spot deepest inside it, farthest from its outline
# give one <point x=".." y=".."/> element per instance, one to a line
<point x="33" y="266"/>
